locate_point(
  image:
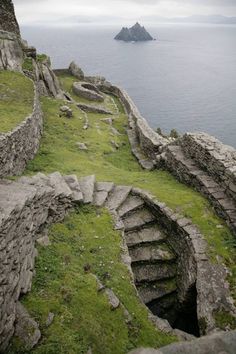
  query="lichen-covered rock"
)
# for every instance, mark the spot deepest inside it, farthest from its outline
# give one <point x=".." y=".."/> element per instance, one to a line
<point x="76" y="71"/>
<point x="26" y="328"/>
<point x="11" y="53"/>
<point x="8" y="19"/>
<point x="218" y="343"/>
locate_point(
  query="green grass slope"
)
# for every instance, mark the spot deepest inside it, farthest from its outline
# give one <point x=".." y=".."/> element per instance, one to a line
<point x="16" y="99"/>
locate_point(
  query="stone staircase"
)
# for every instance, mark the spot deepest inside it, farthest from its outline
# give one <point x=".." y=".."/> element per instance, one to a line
<point x="189" y="171"/>
<point x="165" y="252"/>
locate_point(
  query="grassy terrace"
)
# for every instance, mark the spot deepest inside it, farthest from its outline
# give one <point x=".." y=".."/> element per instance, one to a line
<point x="16" y="99"/>
<point x="83" y="318"/>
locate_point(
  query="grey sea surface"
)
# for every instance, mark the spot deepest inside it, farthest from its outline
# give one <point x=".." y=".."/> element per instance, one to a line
<point x="186" y="79"/>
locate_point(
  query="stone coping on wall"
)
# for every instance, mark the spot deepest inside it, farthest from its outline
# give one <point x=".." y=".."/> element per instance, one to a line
<point x="30" y="205"/>
<point x="20" y="145"/>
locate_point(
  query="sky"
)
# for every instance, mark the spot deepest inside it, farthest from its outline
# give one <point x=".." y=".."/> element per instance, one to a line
<point x="114" y="11"/>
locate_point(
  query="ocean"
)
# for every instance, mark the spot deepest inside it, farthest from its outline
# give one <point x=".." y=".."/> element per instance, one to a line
<point x="185" y="80"/>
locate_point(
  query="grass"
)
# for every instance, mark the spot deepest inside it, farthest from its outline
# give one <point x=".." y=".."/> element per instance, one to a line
<point x="83" y="317"/>
<point x="16" y="99"/>
<point x="61" y="286"/>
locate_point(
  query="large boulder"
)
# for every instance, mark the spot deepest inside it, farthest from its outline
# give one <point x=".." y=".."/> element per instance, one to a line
<point x="76" y="71"/>
<point x="11" y="53"/>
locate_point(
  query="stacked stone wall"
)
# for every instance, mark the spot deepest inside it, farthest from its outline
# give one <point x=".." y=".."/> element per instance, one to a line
<point x="19" y="146"/>
<point x="217" y="159"/>
<point x="25" y="211"/>
<point x="150" y="142"/>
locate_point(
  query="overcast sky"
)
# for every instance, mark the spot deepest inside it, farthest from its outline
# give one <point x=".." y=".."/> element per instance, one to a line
<point x="40" y="11"/>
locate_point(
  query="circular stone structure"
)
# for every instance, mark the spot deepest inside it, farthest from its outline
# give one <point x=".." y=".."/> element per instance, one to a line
<point x="88" y="91"/>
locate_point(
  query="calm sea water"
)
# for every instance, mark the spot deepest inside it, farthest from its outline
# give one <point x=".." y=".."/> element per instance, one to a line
<point x="185" y="80"/>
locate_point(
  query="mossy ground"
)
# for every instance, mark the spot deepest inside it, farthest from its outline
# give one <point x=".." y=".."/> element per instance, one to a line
<point x="83" y="318"/>
<point x="16" y="99"/>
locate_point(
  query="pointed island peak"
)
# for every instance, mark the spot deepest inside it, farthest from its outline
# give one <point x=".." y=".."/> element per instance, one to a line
<point x="137" y="33"/>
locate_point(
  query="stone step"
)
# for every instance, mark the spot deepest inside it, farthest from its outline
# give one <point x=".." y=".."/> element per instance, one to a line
<point x="87" y="185"/>
<point x="57" y="182"/>
<point x="153" y="291"/>
<point x="102" y="189"/>
<point x="189" y="172"/>
<point x="152" y="272"/>
<point x="74" y="185"/>
<point x="117" y="197"/>
<point x="145" y="235"/>
<point x="144" y="161"/>
<point x="150" y="253"/>
<point x="131" y="204"/>
<point x="138" y="220"/>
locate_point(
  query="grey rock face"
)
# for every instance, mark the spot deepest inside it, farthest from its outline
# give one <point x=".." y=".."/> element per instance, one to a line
<point x="136" y="33"/>
<point x="12" y="55"/>
<point x="76" y="71"/>
<point x="8" y="19"/>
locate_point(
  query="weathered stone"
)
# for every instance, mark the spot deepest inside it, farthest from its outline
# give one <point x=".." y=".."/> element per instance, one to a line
<point x="87" y="185"/>
<point x="93" y="109"/>
<point x="8" y="19"/>
<point x="146" y="235"/>
<point x="26" y="329"/>
<point x="131" y="203"/>
<point x="117" y="197"/>
<point x="154" y="291"/>
<point x="88" y="91"/>
<point x="76" y="71"/>
<point x="44" y="241"/>
<point x="82" y="146"/>
<point x="50" y="319"/>
<point x="113" y="299"/>
<point x="101" y="192"/>
<point x="65" y="111"/>
<point x="152" y="272"/>
<point x="138" y="219"/>
<point x="217" y="343"/>
<point x="151" y="254"/>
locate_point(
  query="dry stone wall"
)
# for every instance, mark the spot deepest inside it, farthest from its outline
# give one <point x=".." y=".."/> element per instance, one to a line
<point x="149" y="142"/>
<point x="217" y="159"/>
<point x="20" y="145"/>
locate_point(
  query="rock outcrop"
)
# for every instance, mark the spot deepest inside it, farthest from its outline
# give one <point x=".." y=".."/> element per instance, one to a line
<point x="8" y="21"/>
<point x="137" y="33"/>
<point x="217" y="343"/>
<point x="11" y="51"/>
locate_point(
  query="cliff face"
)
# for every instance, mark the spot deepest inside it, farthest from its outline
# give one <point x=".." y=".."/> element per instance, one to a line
<point x="136" y="33"/>
<point x="8" y="19"/>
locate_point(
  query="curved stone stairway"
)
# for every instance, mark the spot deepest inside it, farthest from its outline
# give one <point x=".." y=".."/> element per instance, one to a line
<point x="165" y="252"/>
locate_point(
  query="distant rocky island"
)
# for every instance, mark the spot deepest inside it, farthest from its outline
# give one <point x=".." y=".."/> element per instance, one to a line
<point x="137" y="33"/>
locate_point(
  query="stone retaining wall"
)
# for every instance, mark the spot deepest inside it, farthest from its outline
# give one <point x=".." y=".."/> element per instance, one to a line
<point x="194" y="266"/>
<point x="217" y="159"/>
<point x="21" y="144"/>
<point x="25" y="210"/>
<point x="149" y="141"/>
